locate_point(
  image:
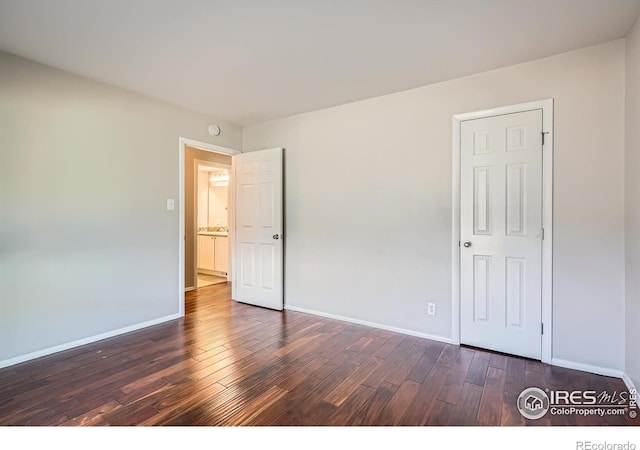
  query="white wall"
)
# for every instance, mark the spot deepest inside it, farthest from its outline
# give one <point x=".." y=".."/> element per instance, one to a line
<point x="218" y="204"/>
<point x="368" y="200"/>
<point x="203" y="199"/>
<point x="86" y="243"/>
<point x="632" y="198"/>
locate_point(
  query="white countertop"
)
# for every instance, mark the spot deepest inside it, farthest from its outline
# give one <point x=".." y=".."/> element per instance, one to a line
<point x="213" y="233"/>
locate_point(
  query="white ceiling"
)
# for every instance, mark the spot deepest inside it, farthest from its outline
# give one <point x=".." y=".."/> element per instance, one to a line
<point x="246" y="61"/>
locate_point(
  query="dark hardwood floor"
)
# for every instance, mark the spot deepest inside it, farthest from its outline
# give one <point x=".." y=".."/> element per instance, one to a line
<point x="227" y="363"/>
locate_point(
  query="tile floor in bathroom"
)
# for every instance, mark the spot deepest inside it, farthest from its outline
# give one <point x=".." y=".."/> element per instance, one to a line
<point x="207" y="280"/>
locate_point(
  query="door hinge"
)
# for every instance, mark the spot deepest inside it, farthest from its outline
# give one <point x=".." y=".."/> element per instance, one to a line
<point x="543" y="133"/>
<point x="542" y="233"/>
<point x="458" y="243"/>
<point x="542" y="328"/>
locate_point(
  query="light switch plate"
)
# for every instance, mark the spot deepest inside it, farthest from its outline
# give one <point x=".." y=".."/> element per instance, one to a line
<point x="171" y="204"/>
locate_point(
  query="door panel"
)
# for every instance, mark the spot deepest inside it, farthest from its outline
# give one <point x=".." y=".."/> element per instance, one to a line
<point x="258" y="278"/>
<point x="501" y="222"/>
<point x="206" y="255"/>
<point x="222" y="254"/>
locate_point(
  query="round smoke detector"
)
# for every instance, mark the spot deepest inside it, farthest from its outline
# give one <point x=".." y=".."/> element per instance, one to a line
<point x="214" y="130"/>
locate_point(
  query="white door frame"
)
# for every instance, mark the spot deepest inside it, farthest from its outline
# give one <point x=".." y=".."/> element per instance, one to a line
<point x="547" y="220"/>
<point x="182" y="143"/>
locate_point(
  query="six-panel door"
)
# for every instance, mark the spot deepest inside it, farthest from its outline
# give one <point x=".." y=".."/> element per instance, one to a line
<point x="501" y="233"/>
<point x="258" y="246"/>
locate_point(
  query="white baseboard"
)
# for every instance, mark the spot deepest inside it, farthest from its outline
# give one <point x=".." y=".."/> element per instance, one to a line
<point x="629" y="383"/>
<point x="587" y="368"/>
<point x="84" y="341"/>
<point x="369" y="324"/>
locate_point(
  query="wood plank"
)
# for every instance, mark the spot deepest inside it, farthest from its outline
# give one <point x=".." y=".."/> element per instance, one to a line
<point x="534" y="366"/>
<point x="482" y="354"/>
<point x="360" y="344"/>
<point x="349" y="385"/>
<point x="31" y="415"/>
<point x="366" y="353"/>
<point x="421" y="370"/>
<point x="440" y="414"/>
<point x="535" y="379"/>
<point x="142" y="393"/>
<point x="253" y="409"/>
<point x="352" y="405"/>
<point x="332" y="365"/>
<point x="184" y="397"/>
<point x="510" y="415"/>
<point x="369" y="412"/>
<point x="477" y="371"/>
<point x="420" y="410"/>
<point x="404" y="366"/>
<point x="386" y="367"/>
<point x="283" y="411"/>
<point x="397" y="406"/>
<point x="498" y="361"/>
<point x="132" y="414"/>
<point x="490" y="410"/>
<point x="515" y="381"/>
<point x="319" y="415"/>
<point x="316" y="395"/>
<point x="435" y="349"/>
<point x="449" y="355"/>
<point x="466" y="410"/>
<point x="450" y="392"/>
<point x="294" y="380"/>
<point x="385" y="350"/>
<point x="227" y="363"/>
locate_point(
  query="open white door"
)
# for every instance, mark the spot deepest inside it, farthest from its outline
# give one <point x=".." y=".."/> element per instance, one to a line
<point x="258" y="236"/>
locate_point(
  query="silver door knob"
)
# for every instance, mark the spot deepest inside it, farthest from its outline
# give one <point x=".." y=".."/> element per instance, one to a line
<point x="276" y="236"/>
<point x="467" y="244"/>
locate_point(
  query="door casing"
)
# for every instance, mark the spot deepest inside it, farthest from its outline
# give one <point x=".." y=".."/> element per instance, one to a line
<point x="547" y="220"/>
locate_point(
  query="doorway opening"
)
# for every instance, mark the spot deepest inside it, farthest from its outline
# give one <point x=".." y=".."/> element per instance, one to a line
<point x="254" y="233"/>
<point x="212" y="223"/>
<point x="195" y="220"/>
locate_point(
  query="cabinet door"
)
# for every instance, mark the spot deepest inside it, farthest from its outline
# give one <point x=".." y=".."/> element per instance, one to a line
<point x="222" y="254"/>
<point x="206" y="252"/>
<point x="199" y="251"/>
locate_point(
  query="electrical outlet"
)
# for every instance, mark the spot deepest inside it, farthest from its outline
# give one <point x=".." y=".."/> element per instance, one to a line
<point x="431" y="309"/>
